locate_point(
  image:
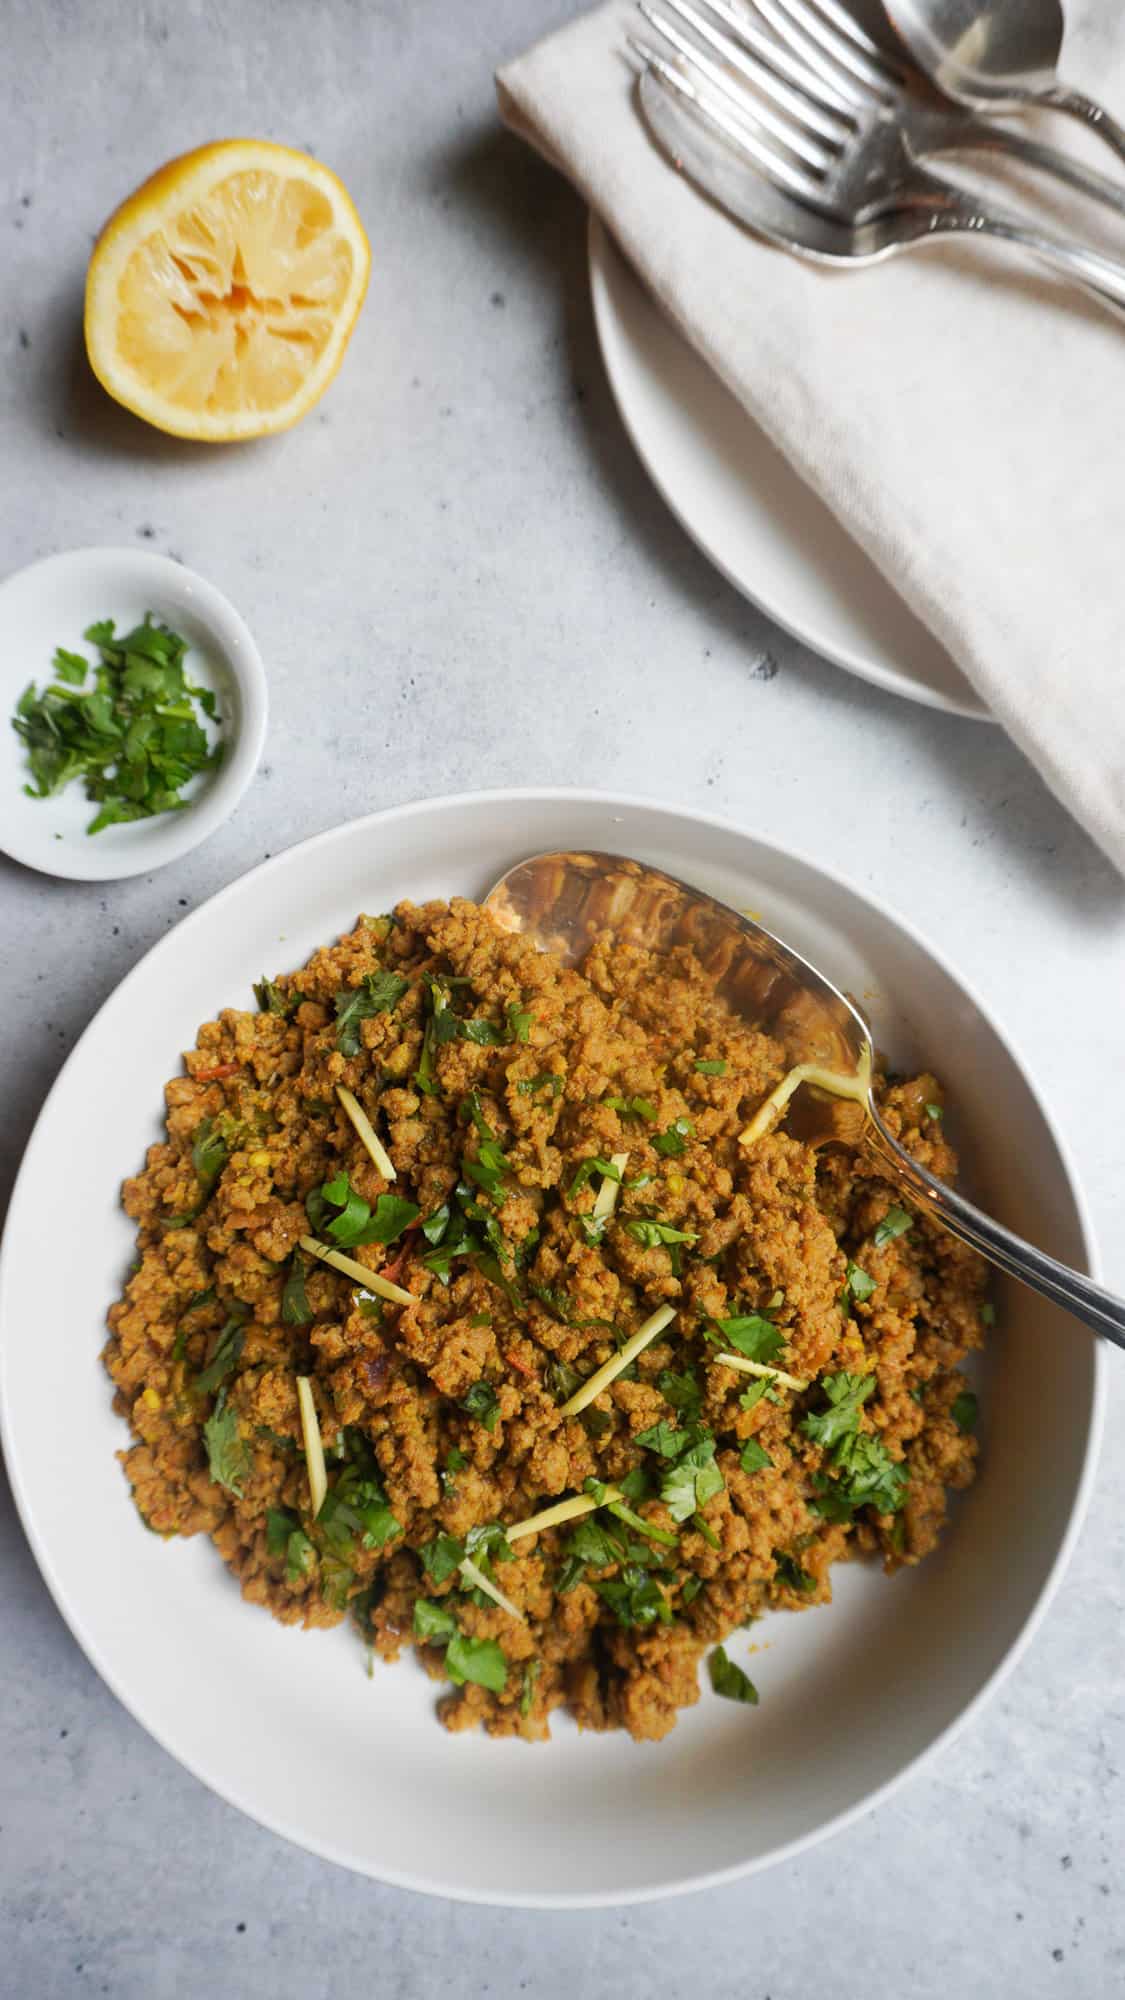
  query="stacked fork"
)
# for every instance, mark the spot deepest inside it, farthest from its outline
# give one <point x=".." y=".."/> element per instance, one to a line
<point x="834" y="135"/>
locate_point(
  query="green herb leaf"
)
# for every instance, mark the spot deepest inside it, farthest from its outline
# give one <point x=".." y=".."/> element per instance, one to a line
<point x="632" y="1107"/>
<point x="896" y="1222"/>
<point x="868" y="1477"/>
<point x="728" y="1679"/>
<point x="228" y="1457"/>
<point x="652" y="1233"/>
<point x="479" y="1660"/>
<point x="963" y="1409"/>
<point x="377" y="993"/>
<point x="593" y="1543"/>
<point x="588" y="1168"/>
<point x="708" y="1066"/>
<point x="224" y="1355"/>
<point x="751" y="1334"/>
<point x="682" y="1391"/>
<point x="531" y="1672"/>
<point x="858" y="1283"/>
<point x="664" y="1438"/>
<point x="845" y="1394"/>
<point x="489" y="1539"/>
<point x="480" y="1402"/>
<point x="295" y="1307"/>
<point x="690" y="1588"/>
<point x="356" y="1221"/>
<point x="988" y="1315"/>
<point x="753" y="1395"/>
<point x="133" y="735"/>
<point x="548" y="1079"/>
<point x="635" y="1597"/>
<point x="790" y="1573"/>
<point x="933" y="1111"/>
<point x="693" y="1480"/>
<point x="754" y="1456"/>
<point x="434" y="1623"/>
<point x="519" y="1023"/>
<point x="442" y="1557"/>
<point x="271" y="999"/>
<point x="673" y="1140"/>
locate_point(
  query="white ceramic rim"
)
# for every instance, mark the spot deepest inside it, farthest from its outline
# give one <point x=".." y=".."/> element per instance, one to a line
<point x="601" y="247"/>
<point x="234" y="640"/>
<point x="716" y="1878"/>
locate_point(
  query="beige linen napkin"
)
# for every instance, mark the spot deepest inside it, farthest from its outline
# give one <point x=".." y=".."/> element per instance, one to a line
<point x="960" y="412"/>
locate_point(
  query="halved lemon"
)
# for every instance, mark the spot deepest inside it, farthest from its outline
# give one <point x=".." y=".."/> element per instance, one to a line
<point x="221" y="295"/>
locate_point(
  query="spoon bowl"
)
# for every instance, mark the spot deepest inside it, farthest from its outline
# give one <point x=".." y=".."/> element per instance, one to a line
<point x="999" y="55"/>
<point x="562" y="901"/>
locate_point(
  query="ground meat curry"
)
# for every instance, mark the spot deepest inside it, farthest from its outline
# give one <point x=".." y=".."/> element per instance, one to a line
<point x="416" y="1442"/>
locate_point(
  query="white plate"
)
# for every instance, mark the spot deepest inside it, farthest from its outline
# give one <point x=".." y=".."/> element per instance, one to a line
<point x="748" y="510"/>
<point x="50" y="604"/>
<point x="286" y="1724"/>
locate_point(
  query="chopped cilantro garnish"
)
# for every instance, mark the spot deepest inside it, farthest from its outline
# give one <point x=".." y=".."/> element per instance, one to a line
<point x="858" y="1283"/>
<point x="664" y="1438"/>
<point x="442" y="1557"/>
<point x="751" y="1334"/>
<point x="228" y="1457"/>
<point x="728" y="1679"/>
<point x="673" y="1140"/>
<point x="531" y="1672"/>
<point x="790" y="1573"/>
<point x="480" y="1402"/>
<point x="754" y="1456"/>
<point x="377" y="993"/>
<point x="896" y="1222"/>
<point x="271" y="999"/>
<point x="479" y="1660"/>
<point x="963" y="1410"/>
<point x="710" y="1066"/>
<point x="988" y="1315"/>
<point x="295" y="1307"/>
<point x="635" y="1597"/>
<point x="594" y="1165"/>
<point x="548" y="1079"/>
<point x="694" y="1478"/>
<point x="753" y="1395"/>
<point x="652" y="1233"/>
<point x="869" y="1477"/>
<point x="845" y="1394"/>
<point x="690" y="1588"/>
<point x="933" y="1111"/>
<point x="519" y="1023"/>
<point x="132" y="735"/>
<point x="224" y="1355"/>
<point x="632" y="1107"/>
<point x="434" y="1623"/>
<point x="682" y="1391"/>
<point x="356" y="1222"/>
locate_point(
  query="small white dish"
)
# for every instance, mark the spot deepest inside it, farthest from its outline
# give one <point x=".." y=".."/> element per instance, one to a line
<point x="50" y="604"/>
<point x="285" y="1724"/>
<point x="746" y="508"/>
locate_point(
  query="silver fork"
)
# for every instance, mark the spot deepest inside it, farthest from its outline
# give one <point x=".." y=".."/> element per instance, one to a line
<point x="844" y="184"/>
<point x="800" y="39"/>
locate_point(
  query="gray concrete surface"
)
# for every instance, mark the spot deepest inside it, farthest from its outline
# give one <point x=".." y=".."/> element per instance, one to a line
<point x="460" y="577"/>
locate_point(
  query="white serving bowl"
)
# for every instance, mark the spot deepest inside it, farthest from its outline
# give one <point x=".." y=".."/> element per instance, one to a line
<point x="286" y="1725"/>
<point x="50" y="604"/>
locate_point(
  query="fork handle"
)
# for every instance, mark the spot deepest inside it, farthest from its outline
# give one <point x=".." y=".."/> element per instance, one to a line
<point x="1075" y="105"/>
<point x="953" y="213"/>
<point x="959" y="134"/>
<point x="1079" y="1295"/>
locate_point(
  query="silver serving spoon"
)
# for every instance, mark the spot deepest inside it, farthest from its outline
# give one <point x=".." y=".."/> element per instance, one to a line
<point x="562" y="901"/>
<point x="1000" y="55"/>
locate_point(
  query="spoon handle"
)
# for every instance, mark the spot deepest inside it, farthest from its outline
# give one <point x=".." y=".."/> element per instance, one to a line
<point x="1089" y="1302"/>
<point x="1088" y="113"/>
